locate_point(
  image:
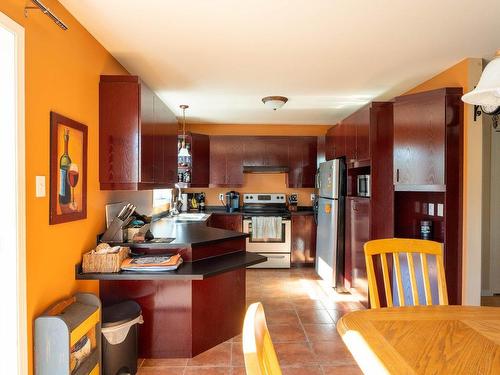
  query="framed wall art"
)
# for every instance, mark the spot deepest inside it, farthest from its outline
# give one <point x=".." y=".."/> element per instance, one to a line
<point x="68" y="169"/>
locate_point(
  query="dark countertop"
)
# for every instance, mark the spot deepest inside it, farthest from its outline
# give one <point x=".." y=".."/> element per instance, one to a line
<point x="184" y="234"/>
<point x="198" y="270"/>
<point x="301" y="210"/>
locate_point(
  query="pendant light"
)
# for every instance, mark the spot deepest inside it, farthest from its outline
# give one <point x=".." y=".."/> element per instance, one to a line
<point x="184" y="151"/>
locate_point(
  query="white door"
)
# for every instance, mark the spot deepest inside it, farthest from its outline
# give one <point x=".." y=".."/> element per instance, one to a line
<point x="12" y="189"/>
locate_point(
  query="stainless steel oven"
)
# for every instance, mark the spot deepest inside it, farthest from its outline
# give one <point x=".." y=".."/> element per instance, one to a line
<point x="278" y="248"/>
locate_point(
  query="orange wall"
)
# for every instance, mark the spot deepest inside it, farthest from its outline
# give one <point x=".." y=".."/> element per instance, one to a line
<point x="258" y="183"/>
<point x="456" y="76"/>
<point x="62" y="75"/>
<point x="270" y="183"/>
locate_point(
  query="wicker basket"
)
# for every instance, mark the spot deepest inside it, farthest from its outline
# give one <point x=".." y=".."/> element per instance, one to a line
<point x="100" y="263"/>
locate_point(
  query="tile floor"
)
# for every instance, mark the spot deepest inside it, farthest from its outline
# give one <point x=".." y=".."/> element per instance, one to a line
<point x="301" y="314"/>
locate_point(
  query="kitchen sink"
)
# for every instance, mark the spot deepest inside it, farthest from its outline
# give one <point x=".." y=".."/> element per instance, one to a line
<point x="191" y="217"/>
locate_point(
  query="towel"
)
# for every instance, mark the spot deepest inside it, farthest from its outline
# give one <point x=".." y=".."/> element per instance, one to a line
<point x="266" y="228"/>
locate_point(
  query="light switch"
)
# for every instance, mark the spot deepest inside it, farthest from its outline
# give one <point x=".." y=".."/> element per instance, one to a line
<point x="440" y="209"/>
<point x="431" y="209"/>
<point x="40" y="186"/>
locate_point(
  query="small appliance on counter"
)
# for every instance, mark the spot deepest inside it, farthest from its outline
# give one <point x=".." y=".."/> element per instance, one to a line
<point x="293" y="200"/>
<point x="364" y="185"/>
<point x="232" y="201"/>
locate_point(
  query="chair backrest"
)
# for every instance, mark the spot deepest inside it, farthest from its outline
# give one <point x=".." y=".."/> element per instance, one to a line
<point x="396" y="246"/>
<point x="258" y="349"/>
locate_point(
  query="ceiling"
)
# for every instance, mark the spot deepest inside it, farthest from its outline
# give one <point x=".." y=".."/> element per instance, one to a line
<point x="329" y="57"/>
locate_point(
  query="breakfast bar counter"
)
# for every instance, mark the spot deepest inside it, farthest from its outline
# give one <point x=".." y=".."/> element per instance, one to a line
<point x="194" y="308"/>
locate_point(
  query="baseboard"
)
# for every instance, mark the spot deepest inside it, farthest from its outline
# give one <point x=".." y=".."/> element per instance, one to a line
<point x="486" y="293"/>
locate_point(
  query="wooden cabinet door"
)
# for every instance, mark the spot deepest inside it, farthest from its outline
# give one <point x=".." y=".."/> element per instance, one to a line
<point x="200" y="153"/>
<point x="350" y="140"/>
<point x="147" y="135"/>
<point x="295" y="155"/>
<point x="339" y="141"/>
<point x="254" y="151"/>
<point x="217" y="161"/>
<point x="302" y="158"/>
<point x="118" y="132"/>
<point x="234" y="161"/>
<point x="309" y="162"/>
<point x="362" y="122"/>
<point x="359" y="233"/>
<point x="275" y="151"/>
<point x="303" y="239"/>
<point x="234" y="223"/>
<point x="330" y="144"/>
<point x="165" y="147"/>
<point x="217" y="221"/>
<point x="419" y="140"/>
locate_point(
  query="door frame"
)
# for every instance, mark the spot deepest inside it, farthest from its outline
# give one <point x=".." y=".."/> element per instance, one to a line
<point x="18" y="31"/>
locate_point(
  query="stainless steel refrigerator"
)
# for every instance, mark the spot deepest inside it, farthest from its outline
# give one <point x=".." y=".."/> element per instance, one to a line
<point x="330" y="215"/>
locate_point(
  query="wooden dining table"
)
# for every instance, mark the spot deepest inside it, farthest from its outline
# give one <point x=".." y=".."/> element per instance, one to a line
<point x="424" y="339"/>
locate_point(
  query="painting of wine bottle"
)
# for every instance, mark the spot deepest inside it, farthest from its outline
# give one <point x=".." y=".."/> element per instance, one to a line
<point x="68" y="170"/>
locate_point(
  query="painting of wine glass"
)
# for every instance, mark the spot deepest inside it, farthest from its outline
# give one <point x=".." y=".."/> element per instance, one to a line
<point x="68" y="169"/>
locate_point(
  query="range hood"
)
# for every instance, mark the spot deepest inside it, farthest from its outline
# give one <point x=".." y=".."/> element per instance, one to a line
<point x="265" y="169"/>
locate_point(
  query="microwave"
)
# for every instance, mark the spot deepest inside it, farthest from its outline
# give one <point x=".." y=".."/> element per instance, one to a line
<point x="364" y="185"/>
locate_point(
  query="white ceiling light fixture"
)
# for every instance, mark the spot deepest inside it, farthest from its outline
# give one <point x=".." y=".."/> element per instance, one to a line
<point x="274" y="102"/>
<point x="183" y="151"/>
<point x="486" y="95"/>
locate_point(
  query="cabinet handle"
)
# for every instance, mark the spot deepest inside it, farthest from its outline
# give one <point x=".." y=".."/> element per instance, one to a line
<point x="275" y="256"/>
<point x="397" y="175"/>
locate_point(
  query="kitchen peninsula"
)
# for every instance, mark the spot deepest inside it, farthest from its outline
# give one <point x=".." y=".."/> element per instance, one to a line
<point x="194" y="308"/>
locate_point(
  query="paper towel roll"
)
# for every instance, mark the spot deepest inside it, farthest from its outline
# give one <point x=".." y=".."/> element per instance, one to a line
<point x="184" y="200"/>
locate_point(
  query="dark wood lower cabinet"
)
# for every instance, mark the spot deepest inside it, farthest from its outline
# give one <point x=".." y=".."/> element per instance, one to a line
<point x="303" y="240"/>
<point x="232" y="222"/>
<point x="357" y="233"/>
<point x="183" y="318"/>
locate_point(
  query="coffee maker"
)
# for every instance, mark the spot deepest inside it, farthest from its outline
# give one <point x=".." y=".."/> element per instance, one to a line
<point x="232" y="201"/>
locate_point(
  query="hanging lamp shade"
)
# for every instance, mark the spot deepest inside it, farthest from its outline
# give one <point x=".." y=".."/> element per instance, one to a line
<point x="183" y="151"/>
<point x="487" y="91"/>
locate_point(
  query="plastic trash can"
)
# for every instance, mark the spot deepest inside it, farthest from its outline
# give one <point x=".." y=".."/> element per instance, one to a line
<point x="119" y="338"/>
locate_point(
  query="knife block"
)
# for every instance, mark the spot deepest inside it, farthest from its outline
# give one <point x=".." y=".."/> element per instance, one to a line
<point x="115" y="231"/>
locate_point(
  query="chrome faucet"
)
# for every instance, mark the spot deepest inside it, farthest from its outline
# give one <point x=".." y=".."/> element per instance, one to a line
<point x="176" y="201"/>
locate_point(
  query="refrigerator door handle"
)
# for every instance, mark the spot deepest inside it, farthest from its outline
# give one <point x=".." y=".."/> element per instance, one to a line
<point x="315" y="209"/>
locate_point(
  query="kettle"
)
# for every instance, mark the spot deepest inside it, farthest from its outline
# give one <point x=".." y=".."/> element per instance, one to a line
<point x="232" y="201"/>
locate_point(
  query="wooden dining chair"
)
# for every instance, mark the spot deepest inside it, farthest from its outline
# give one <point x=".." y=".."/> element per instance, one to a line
<point x="396" y="246"/>
<point x="258" y="349"/>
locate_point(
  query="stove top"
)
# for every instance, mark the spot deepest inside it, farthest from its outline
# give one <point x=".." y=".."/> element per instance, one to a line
<point x="265" y="204"/>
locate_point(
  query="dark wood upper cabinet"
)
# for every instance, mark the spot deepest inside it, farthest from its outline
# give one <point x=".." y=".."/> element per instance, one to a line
<point x="226" y="161"/>
<point x="303" y="240"/>
<point x="229" y="154"/>
<point x="420" y="124"/>
<point x="135" y="131"/>
<point x="200" y="155"/>
<point x="302" y="155"/>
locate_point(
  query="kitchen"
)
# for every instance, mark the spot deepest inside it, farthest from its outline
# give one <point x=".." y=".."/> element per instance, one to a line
<point x="261" y="160"/>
